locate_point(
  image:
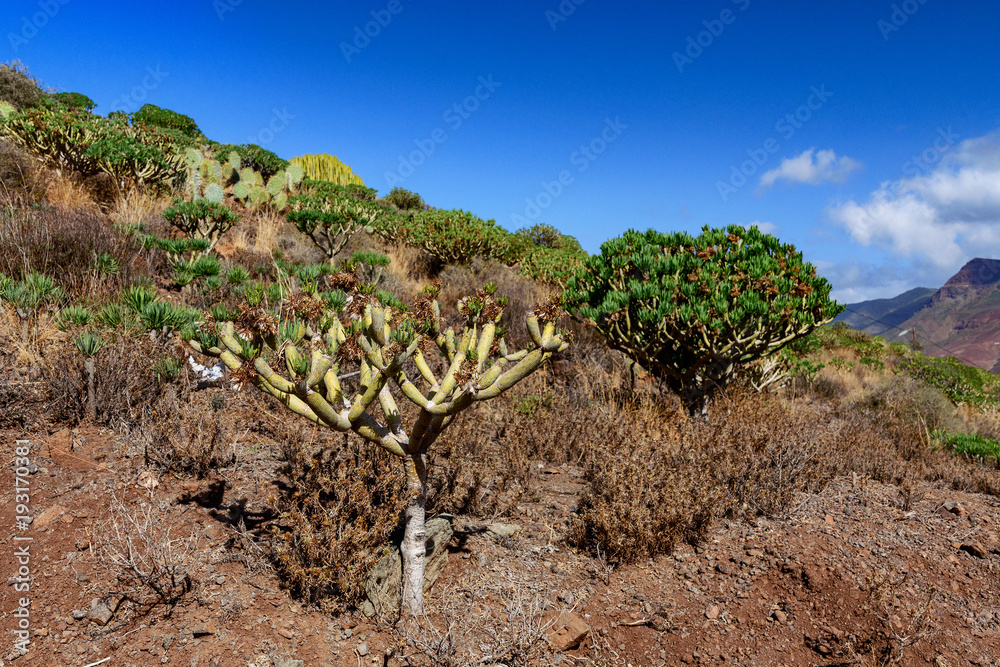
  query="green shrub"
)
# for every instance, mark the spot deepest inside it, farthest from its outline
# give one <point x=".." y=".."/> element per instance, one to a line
<point x="325" y="167"/>
<point x="554" y="267"/>
<point x="75" y="101"/>
<point x="153" y="116"/>
<point x="405" y="200"/>
<point x="959" y="382"/>
<point x="694" y="310"/>
<point x="454" y="236"/>
<point x="970" y="445"/>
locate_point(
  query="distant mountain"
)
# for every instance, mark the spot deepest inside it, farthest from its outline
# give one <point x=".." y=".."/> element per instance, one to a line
<point x="884" y="317"/>
<point x="962" y="319"/>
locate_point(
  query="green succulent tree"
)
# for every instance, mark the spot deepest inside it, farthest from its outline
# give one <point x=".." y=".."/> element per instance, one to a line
<point x="201" y="219"/>
<point x="453" y="236"/>
<point x="331" y="218"/>
<point x="298" y="352"/>
<point x="694" y="311"/>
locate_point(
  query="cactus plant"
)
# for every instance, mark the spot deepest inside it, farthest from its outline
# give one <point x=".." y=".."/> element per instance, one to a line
<point x="694" y="311"/>
<point x="327" y="167"/>
<point x="298" y="360"/>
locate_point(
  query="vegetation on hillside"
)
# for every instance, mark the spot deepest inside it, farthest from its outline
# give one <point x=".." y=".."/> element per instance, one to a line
<point x="123" y="237"/>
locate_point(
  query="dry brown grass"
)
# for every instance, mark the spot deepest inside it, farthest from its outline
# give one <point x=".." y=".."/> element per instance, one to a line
<point x="64" y="191"/>
<point x="137" y="208"/>
<point x="68" y="246"/>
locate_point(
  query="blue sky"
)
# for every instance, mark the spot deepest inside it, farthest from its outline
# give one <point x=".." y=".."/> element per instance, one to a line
<point x="593" y="117"/>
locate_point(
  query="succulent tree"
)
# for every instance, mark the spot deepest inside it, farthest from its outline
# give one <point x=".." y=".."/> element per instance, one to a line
<point x="331" y="218"/>
<point x="298" y="355"/>
<point x="694" y="311"/>
<point x="201" y="219"/>
<point x="454" y="236"/>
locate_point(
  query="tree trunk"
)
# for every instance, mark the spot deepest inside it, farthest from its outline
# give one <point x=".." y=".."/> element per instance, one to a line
<point x="413" y="549"/>
<point x="91" y="406"/>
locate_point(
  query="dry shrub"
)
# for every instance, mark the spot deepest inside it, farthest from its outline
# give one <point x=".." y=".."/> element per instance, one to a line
<point x="124" y="381"/>
<point x="68" y="246"/>
<point x="19" y="177"/>
<point x="654" y="480"/>
<point x="67" y="192"/>
<point x="151" y="556"/>
<point x="643" y="496"/>
<point x="337" y="506"/>
<point x="900" y="396"/>
<point x="135" y="207"/>
<point x="476" y="468"/>
<point x="190" y="435"/>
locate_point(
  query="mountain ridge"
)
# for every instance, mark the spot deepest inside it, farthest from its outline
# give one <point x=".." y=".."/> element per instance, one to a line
<point x="960" y="319"/>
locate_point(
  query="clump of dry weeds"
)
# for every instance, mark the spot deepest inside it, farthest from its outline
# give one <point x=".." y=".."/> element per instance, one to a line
<point x="337" y="505"/>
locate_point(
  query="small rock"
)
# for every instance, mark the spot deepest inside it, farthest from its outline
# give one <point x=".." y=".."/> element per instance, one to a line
<point x="47" y="516"/>
<point x="955" y="508"/>
<point x="724" y="568"/>
<point x="712" y="613"/>
<point x="100" y="611"/>
<point x="286" y="633"/>
<point x="829" y="519"/>
<point x="567" y="597"/>
<point x="567" y="631"/>
<point x="975" y="549"/>
<point x="780" y="616"/>
<point x="79" y="614"/>
<point x="504" y="529"/>
<point x="363" y="649"/>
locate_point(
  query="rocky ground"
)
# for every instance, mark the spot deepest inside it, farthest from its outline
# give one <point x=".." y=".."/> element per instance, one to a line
<point x="862" y="573"/>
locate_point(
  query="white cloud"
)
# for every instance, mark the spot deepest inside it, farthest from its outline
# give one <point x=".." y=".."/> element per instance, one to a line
<point x="943" y="217"/>
<point x="766" y="227"/>
<point x="811" y="167"/>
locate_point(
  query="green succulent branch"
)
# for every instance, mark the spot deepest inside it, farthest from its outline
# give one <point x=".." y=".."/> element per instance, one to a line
<point x="299" y="352"/>
<point x="694" y="311"/>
